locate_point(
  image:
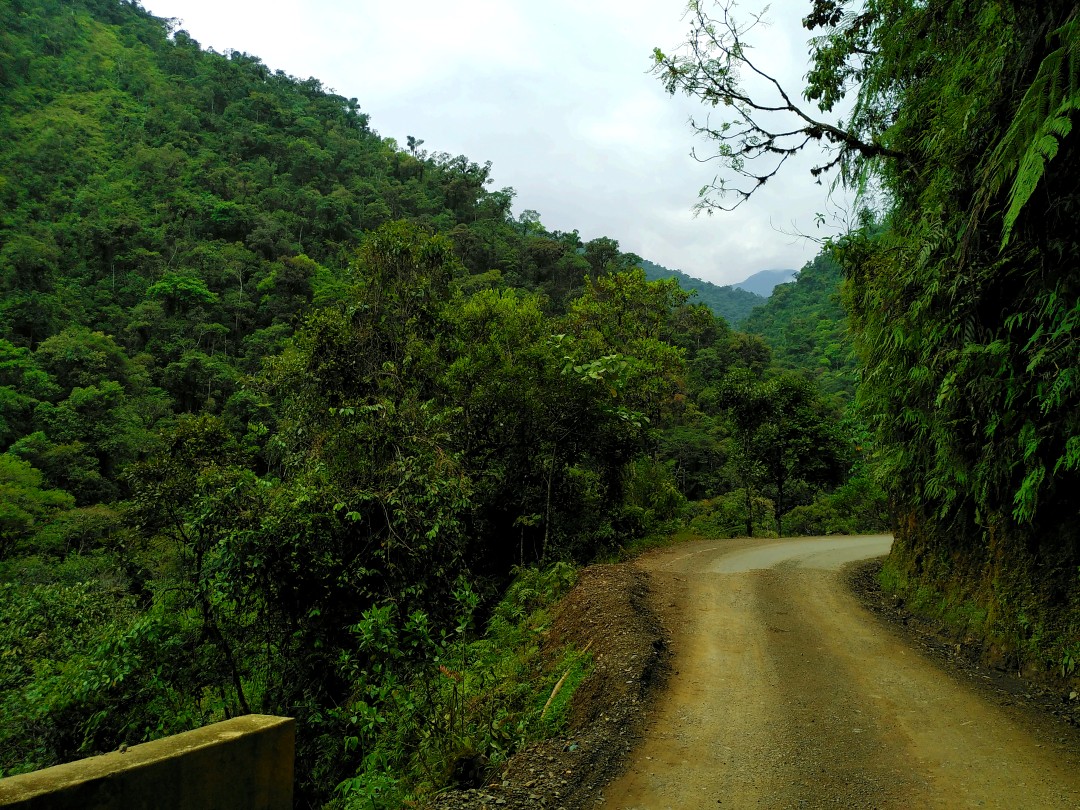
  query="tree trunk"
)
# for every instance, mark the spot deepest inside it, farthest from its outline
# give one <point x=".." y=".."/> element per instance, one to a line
<point x="779" y="506"/>
<point x="749" y="510"/>
<point x="547" y="505"/>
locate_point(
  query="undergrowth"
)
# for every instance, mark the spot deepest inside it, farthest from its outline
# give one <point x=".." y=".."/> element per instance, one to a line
<point x="961" y="616"/>
<point x="433" y="710"/>
<point x="1011" y="633"/>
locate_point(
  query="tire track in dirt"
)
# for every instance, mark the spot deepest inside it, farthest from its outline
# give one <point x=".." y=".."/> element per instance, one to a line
<point x="837" y="751"/>
<point x="786" y="693"/>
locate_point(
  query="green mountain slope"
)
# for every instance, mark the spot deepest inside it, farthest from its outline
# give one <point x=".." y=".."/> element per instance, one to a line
<point x="142" y="178"/>
<point x="727" y="302"/>
<point x="284" y="408"/>
<point x="280" y="399"/>
<point x="807" y="328"/>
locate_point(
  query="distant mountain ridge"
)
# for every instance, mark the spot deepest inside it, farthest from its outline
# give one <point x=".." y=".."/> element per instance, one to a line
<point x="731" y="304"/>
<point x="763" y="282"/>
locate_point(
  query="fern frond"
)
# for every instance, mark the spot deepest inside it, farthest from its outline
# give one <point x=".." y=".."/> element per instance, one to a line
<point x="1042" y="121"/>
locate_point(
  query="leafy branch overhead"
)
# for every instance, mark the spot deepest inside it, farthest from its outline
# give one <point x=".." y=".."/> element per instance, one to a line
<point x="761" y="127"/>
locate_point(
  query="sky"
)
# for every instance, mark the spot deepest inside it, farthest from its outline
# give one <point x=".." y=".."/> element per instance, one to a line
<point x="558" y="96"/>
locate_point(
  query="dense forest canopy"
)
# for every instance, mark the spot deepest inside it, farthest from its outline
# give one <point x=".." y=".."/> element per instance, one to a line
<point x="961" y="284"/>
<point x="295" y="419"/>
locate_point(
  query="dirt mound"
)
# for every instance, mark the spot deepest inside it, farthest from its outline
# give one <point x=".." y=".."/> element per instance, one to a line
<point x="611" y="610"/>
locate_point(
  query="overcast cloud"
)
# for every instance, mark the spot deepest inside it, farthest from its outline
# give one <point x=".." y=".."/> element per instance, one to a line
<point x="557" y="95"/>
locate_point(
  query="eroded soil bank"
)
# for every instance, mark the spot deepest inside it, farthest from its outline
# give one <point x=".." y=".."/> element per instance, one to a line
<point x="612" y="611"/>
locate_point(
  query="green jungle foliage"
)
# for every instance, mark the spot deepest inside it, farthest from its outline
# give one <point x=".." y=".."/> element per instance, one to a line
<point x="294" y="420"/>
<point x="967" y="310"/>
<point x="962" y="282"/>
<point x="807" y="328"/>
<point x="727" y="302"/>
<point x="441" y="708"/>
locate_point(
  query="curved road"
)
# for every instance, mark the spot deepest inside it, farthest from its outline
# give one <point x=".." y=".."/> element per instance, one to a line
<point x="786" y="693"/>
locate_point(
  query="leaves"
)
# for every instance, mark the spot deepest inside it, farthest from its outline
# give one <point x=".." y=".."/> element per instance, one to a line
<point x="1041" y="121"/>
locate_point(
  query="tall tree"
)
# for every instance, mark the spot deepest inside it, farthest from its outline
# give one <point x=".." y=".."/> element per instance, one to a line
<point x="747" y="401"/>
<point x="796" y="443"/>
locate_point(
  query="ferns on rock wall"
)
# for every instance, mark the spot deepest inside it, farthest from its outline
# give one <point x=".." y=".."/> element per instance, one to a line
<point x="967" y="304"/>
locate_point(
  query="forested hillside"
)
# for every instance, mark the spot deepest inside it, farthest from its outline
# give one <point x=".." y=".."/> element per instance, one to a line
<point x="295" y="419"/>
<point x="806" y="326"/>
<point x="727" y="302"/>
<point x="169" y="212"/>
<point x="962" y="282"/>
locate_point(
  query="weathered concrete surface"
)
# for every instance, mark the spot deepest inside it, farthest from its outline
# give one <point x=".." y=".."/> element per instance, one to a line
<point x="244" y="763"/>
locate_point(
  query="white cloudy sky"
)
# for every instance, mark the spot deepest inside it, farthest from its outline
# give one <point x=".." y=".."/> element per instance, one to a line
<point x="557" y="95"/>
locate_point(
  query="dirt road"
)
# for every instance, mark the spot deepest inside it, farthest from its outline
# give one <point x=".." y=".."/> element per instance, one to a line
<point x="787" y="694"/>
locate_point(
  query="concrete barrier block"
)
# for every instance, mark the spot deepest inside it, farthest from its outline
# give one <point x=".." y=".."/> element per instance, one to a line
<point x="241" y="764"/>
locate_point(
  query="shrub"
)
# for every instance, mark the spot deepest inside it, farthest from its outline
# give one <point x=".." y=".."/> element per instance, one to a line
<point x="725" y="516"/>
<point x="434" y="708"/>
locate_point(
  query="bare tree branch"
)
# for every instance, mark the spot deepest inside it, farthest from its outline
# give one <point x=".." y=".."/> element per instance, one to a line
<point x="710" y="69"/>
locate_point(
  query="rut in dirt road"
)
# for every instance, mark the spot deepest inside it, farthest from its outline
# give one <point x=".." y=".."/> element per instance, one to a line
<point x="786" y="693"/>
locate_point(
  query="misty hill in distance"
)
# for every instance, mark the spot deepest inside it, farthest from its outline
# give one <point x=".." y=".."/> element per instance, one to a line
<point x="762" y="283"/>
<point x="732" y="302"/>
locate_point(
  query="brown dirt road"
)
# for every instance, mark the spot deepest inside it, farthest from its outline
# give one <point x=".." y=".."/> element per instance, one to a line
<point x="786" y="693"/>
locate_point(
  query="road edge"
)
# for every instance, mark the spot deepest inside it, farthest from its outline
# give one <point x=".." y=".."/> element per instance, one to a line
<point x="1044" y="707"/>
